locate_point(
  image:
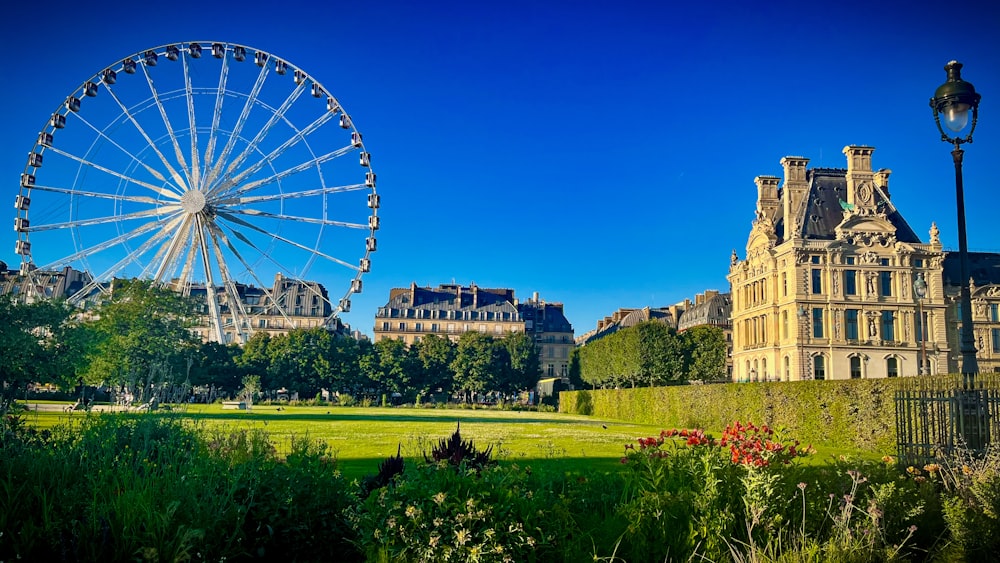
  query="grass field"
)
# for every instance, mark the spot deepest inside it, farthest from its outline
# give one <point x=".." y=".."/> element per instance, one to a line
<point x="360" y="438"/>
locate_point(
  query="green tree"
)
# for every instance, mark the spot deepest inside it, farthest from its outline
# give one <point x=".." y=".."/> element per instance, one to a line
<point x="215" y="364"/>
<point x="397" y="367"/>
<point x="705" y="352"/>
<point x="435" y="356"/>
<point x="660" y="352"/>
<point x="341" y="364"/>
<point x="40" y="343"/>
<point x="479" y="360"/>
<point x="524" y="368"/>
<point x="142" y="328"/>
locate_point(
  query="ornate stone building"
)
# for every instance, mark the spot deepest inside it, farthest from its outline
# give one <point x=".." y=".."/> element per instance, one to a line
<point x="450" y="310"/>
<point x="826" y="289"/>
<point x="985" y="290"/>
<point x="302" y="304"/>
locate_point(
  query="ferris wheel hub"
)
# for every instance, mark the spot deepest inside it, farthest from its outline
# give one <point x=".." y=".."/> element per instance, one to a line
<point x="193" y="201"/>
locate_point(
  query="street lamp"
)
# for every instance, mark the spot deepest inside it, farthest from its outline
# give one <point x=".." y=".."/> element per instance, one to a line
<point x="952" y="102"/>
<point x="920" y="290"/>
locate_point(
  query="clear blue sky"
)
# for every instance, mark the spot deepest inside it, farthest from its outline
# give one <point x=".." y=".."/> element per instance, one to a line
<point x="602" y="155"/>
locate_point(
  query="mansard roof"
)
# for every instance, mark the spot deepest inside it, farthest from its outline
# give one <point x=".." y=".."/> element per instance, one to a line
<point x="453" y="298"/>
<point x="824" y="210"/>
<point x="630" y="318"/>
<point x="715" y="310"/>
<point x="984" y="268"/>
<point x="549" y="314"/>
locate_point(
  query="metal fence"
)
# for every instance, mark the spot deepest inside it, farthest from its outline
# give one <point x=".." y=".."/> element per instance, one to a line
<point x="938" y="415"/>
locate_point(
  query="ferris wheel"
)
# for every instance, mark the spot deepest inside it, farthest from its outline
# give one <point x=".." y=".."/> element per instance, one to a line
<point x="207" y="167"/>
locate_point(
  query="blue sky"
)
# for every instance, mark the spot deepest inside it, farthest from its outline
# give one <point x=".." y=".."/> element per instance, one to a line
<point x="602" y="155"/>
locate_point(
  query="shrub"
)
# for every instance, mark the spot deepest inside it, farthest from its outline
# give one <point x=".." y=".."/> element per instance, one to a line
<point x="497" y="514"/>
<point x="460" y="453"/>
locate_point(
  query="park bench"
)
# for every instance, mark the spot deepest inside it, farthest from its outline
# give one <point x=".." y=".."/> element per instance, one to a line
<point x="234" y="405"/>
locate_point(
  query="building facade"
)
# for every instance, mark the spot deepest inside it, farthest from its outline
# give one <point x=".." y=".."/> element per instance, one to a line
<point x="451" y="310"/>
<point x="826" y="287"/>
<point x="985" y="291"/>
<point x="286" y="305"/>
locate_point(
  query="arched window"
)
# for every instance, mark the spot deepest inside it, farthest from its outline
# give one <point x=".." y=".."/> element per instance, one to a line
<point x="855" y="367"/>
<point x="763" y="369"/>
<point x="788" y="369"/>
<point x="819" y="367"/>
<point x="892" y="367"/>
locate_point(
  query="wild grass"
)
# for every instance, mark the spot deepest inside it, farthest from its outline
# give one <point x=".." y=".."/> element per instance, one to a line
<point x="205" y="484"/>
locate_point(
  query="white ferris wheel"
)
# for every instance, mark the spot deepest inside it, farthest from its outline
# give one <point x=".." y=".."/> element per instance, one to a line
<point x="202" y="165"/>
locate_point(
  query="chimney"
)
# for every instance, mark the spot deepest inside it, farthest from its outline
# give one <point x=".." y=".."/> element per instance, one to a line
<point x="475" y="296"/>
<point x="859" y="176"/>
<point x="795" y="191"/>
<point x="699" y="299"/>
<point x="882" y="180"/>
<point x="534" y="297"/>
<point x="767" y="195"/>
<point x="413" y="293"/>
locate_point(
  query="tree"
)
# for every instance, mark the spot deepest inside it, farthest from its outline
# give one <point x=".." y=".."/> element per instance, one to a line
<point x="250" y="389"/>
<point x="705" y="352"/>
<point x="478" y="362"/>
<point x="397" y="366"/>
<point x="340" y="363"/>
<point x="215" y="364"/>
<point x="524" y="368"/>
<point x="142" y="328"/>
<point x="39" y="343"/>
<point x="435" y="356"/>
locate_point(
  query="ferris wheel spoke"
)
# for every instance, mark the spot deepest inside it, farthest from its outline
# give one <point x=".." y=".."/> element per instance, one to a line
<point x="166" y="123"/>
<point x="106" y="170"/>
<point x="232" y="248"/>
<point x="245" y="113"/>
<point x="168" y="253"/>
<point x="220" y="96"/>
<point x="271" y="122"/>
<point x="290" y="195"/>
<point x="290" y="142"/>
<point x="104" y="220"/>
<point x="284" y="173"/>
<point x="99" y="195"/>
<point x="296" y="218"/>
<point x="213" y="303"/>
<point x="236" y="308"/>
<point x="140" y="230"/>
<point x="278" y="237"/>
<point x="177" y="178"/>
<point x="192" y="126"/>
<point x="118" y="266"/>
<point x="189" y="262"/>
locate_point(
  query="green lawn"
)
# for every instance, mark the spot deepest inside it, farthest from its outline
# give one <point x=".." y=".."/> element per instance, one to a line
<point x="360" y="438"/>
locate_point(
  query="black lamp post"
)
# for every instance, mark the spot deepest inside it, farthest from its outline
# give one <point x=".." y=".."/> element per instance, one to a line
<point x="952" y="101"/>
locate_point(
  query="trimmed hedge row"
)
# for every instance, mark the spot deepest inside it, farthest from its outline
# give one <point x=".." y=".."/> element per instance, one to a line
<point x="858" y="414"/>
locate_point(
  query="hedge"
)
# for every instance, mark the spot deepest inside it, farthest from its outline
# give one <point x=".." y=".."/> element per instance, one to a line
<point x="858" y="414"/>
